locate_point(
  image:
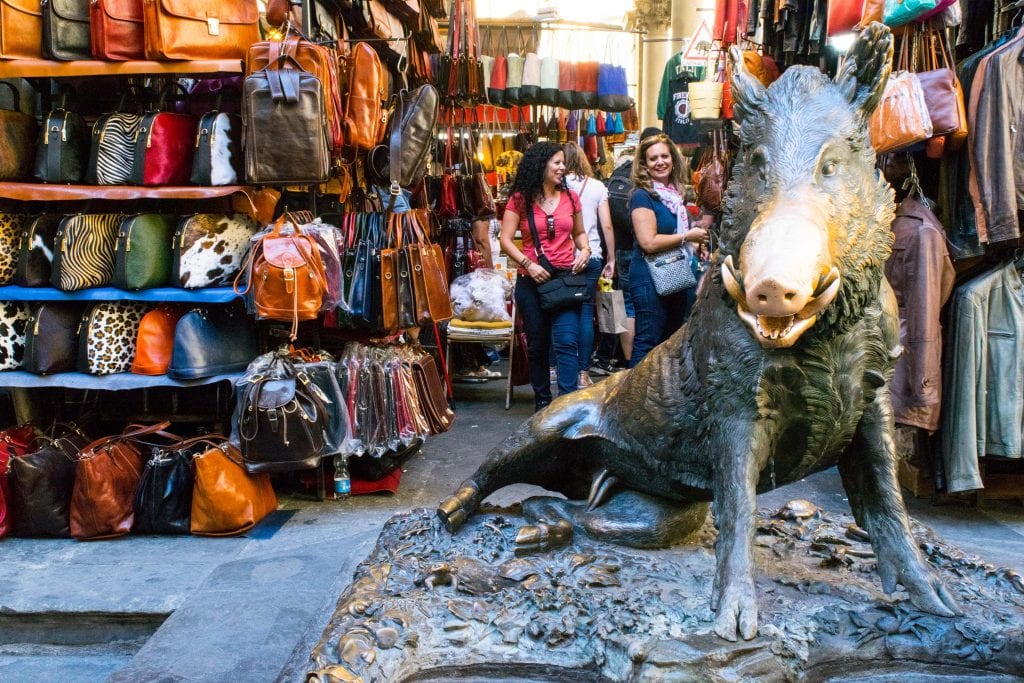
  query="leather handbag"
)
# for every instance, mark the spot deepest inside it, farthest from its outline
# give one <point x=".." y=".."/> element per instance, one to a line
<point x="712" y="173"/>
<point x="107" y="337"/>
<point x="41" y="482"/>
<point x="226" y="500"/>
<point x="843" y="16"/>
<point x="565" y="289"/>
<point x="116" y="29"/>
<point x="112" y="148"/>
<point x="286" y="138"/>
<point x="411" y="137"/>
<point x="942" y="91"/>
<point x="902" y="118"/>
<point x="142" y="255"/>
<point x="196" y="29"/>
<point x="286" y="276"/>
<point x="35" y="252"/>
<point x="365" y="119"/>
<point x="282" y="419"/>
<point x="431" y="395"/>
<point x="155" y="342"/>
<point x="106" y="478"/>
<point x="63" y="148"/>
<point x="163" y="146"/>
<point x="209" y="249"/>
<point x="84" y="249"/>
<point x="18" y="133"/>
<point x="217" y="159"/>
<point x="529" y="91"/>
<point x="12" y="227"/>
<point x="216" y="340"/>
<point x="498" y="81"/>
<point x="66" y="34"/>
<point x="586" y="84"/>
<point x="14" y="322"/>
<point x="566" y="84"/>
<point x="21" y="29"/>
<point x="14" y="441"/>
<point x="163" y="501"/>
<point x="429" y="281"/>
<point x="549" y="70"/>
<point x="51" y="341"/>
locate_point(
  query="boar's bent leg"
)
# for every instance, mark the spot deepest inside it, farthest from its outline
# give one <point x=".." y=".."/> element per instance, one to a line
<point x="548" y="450"/>
<point x="868" y="469"/>
<point x="743" y="450"/>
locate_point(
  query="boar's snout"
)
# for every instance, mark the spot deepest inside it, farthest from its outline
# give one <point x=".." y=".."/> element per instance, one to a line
<point x="785" y="277"/>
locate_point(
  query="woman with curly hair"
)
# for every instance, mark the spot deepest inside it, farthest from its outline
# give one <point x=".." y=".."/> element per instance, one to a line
<point x="539" y="188"/>
<point x="661" y="223"/>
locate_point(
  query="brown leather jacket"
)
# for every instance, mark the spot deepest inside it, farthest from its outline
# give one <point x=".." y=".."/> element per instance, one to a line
<point x="921" y="274"/>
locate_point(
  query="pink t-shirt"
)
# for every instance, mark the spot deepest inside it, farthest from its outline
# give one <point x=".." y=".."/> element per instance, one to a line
<point x="561" y="250"/>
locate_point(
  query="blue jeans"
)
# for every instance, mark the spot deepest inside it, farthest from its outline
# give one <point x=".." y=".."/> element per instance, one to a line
<point x="657" y="317"/>
<point x="623" y="257"/>
<point x="558" y="330"/>
<point x="586" y="337"/>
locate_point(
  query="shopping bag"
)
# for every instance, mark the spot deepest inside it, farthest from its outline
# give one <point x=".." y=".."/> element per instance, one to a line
<point x="611" y="312"/>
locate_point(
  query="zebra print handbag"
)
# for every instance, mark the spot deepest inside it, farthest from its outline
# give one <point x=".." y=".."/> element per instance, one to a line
<point x="84" y="251"/>
<point x="112" y="152"/>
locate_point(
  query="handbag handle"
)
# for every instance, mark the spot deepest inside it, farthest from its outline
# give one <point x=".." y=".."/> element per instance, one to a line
<point x="162" y="97"/>
<point x="88" y="451"/>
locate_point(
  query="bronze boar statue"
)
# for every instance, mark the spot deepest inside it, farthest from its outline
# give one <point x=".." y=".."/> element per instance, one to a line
<point x="781" y="370"/>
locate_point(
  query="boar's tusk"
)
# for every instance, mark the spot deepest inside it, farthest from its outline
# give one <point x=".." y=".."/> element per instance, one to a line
<point x="823" y="296"/>
<point x="732" y="281"/>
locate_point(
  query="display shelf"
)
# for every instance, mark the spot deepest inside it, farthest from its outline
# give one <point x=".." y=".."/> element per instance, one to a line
<point x="208" y="295"/>
<point x="48" y="192"/>
<point x="119" y="381"/>
<point x="44" y="68"/>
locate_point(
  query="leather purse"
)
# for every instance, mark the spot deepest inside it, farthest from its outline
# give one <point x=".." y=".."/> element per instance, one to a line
<point x="902" y="118"/>
<point x="365" y="119"/>
<point x="142" y="255"/>
<point x="210" y="341"/>
<point x="209" y="249"/>
<point x="41" y="482"/>
<point x="431" y="395"/>
<point x="565" y="289"/>
<point x="107" y="337"/>
<point x="116" y="29"/>
<point x="112" y="148"/>
<point x="84" y="249"/>
<point x="63" y="148"/>
<point x="286" y="137"/>
<point x="163" y="501"/>
<point x="428" y="268"/>
<point x="281" y="419"/>
<point x="12" y="227"/>
<point x="21" y="29"/>
<point x="942" y="91"/>
<point x="66" y="34"/>
<point x="51" y="341"/>
<point x="411" y="137"/>
<point x="217" y="159"/>
<point x="35" y="252"/>
<point x="163" y="146"/>
<point x="14" y="441"/>
<point x="18" y="133"/>
<point x="197" y="29"/>
<point x="155" y="342"/>
<point x="14" y="321"/>
<point x="106" y="478"/>
<point x="586" y="84"/>
<point x="226" y="500"/>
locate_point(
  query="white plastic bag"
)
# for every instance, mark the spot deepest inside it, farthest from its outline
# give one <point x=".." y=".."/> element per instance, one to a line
<point x="480" y="296"/>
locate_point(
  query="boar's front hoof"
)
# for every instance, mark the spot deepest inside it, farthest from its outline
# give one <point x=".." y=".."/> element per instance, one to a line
<point x="456" y="509"/>
<point x="737" y="611"/>
<point x="539" y="537"/>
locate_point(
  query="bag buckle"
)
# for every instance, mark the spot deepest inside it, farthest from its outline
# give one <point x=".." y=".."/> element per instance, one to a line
<point x="213" y="26"/>
<point x="396" y="189"/>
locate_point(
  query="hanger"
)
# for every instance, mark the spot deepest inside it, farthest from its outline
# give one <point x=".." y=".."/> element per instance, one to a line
<point x="1018" y="259"/>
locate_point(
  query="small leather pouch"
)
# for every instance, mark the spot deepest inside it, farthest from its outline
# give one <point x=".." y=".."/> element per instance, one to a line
<point x="212" y="341"/>
<point x="51" y="342"/>
<point x="142" y="257"/>
<point x="18" y="132"/>
<point x="66" y="29"/>
<point x="155" y="343"/>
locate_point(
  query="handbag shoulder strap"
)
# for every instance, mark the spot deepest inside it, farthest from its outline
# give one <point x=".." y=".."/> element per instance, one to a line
<point x="541" y="256"/>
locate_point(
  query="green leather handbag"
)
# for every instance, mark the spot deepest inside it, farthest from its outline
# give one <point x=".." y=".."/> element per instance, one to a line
<point x="143" y="256"/>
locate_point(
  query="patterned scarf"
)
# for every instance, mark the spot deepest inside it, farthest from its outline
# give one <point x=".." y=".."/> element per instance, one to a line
<point x="676" y="203"/>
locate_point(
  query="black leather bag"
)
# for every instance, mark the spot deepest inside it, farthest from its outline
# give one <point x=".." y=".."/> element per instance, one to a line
<point x="324" y="376"/>
<point x="411" y="137"/>
<point x="51" y="343"/>
<point x="63" y="148"/>
<point x="35" y="253"/>
<point x="282" y="420"/>
<point x="163" y="502"/>
<point x="212" y="341"/>
<point x="66" y="34"/>
<point x="41" y="485"/>
<point x="565" y="289"/>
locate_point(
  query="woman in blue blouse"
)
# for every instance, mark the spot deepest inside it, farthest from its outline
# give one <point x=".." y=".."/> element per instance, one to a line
<point x="660" y="223"/>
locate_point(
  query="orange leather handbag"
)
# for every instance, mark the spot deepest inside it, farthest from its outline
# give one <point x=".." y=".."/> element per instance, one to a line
<point x="226" y="500"/>
<point x="21" y="29"/>
<point x="365" y="117"/>
<point x="155" y="343"/>
<point x="200" y="29"/>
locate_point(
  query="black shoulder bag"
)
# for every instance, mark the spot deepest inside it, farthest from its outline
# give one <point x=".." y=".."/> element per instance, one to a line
<point x="565" y="288"/>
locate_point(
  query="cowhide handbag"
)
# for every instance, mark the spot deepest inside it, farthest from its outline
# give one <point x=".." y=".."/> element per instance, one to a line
<point x="209" y="249"/>
<point x="218" y="155"/>
<point x="35" y="253"/>
<point x="109" y="333"/>
<point x="11" y="227"/>
<point x="84" y="250"/>
<point x="14" y="319"/>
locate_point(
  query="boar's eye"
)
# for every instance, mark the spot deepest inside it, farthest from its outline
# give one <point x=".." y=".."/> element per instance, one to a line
<point x="828" y="169"/>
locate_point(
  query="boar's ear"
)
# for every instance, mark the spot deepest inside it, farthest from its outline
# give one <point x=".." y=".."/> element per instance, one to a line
<point x="748" y="93"/>
<point x="863" y="76"/>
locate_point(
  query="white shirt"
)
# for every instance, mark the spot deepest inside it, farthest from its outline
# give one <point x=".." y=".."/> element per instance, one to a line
<point x="592" y="192"/>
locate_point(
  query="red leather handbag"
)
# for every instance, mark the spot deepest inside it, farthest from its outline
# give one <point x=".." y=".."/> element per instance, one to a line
<point x="844" y="15"/>
<point x="164" y="146"/>
<point x="116" y="29"/>
<point x="14" y="441"/>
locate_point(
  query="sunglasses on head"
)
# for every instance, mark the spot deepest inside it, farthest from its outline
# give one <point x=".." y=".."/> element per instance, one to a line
<point x="550" y="220"/>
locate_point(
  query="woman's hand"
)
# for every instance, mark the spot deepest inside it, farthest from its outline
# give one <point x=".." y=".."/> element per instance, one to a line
<point x="581" y="260"/>
<point x="538" y="272"/>
<point x="609" y="270"/>
<point x="696" y="235"/>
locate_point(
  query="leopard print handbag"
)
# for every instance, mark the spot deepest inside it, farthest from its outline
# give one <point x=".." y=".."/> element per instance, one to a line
<point x="84" y="251"/>
<point x="209" y="249"/>
<point x="106" y="343"/>
<point x="14" y="321"/>
<point x="11" y="227"/>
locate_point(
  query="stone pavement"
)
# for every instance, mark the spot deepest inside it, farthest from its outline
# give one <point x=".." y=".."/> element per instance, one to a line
<point x="251" y="608"/>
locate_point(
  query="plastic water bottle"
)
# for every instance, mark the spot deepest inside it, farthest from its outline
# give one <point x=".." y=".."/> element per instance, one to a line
<point x="342" y="482"/>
